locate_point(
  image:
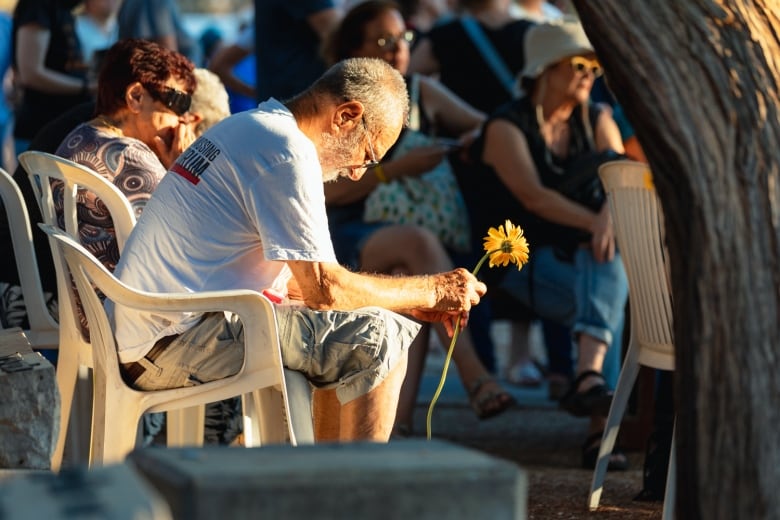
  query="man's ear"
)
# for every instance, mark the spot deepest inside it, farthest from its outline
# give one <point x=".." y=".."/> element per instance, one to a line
<point x="348" y="115"/>
<point x="134" y="96"/>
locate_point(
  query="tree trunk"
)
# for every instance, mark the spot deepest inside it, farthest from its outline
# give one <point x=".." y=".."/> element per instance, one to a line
<point x="698" y="80"/>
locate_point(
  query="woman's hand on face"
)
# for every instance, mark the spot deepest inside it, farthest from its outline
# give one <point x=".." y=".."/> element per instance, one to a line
<point x="173" y="143"/>
<point x="603" y="240"/>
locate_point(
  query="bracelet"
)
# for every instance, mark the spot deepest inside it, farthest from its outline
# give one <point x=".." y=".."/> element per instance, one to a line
<point x="380" y="173"/>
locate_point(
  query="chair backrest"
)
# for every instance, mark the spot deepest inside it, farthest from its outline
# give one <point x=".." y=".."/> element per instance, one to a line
<point x="42" y="167"/>
<point x="639" y="229"/>
<point x="43" y="327"/>
<point x="262" y="352"/>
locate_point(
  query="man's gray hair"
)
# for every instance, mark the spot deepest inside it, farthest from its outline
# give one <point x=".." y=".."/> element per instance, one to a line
<point x="210" y="100"/>
<point x="376" y="84"/>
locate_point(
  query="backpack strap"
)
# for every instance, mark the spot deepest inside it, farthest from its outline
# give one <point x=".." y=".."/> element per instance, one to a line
<point x="489" y="53"/>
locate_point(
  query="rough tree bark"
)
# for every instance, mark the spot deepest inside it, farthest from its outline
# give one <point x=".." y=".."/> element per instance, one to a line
<point x="699" y="81"/>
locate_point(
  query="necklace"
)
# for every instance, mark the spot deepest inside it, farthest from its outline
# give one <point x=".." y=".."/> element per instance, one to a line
<point x="107" y="124"/>
<point x="547" y="155"/>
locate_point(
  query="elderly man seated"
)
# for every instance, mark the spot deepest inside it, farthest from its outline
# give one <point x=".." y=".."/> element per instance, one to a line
<point x="244" y="208"/>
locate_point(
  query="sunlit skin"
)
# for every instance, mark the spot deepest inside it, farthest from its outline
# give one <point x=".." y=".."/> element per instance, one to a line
<point x="565" y="82"/>
<point x="151" y="122"/>
<point x="346" y="155"/>
<point x="156" y="120"/>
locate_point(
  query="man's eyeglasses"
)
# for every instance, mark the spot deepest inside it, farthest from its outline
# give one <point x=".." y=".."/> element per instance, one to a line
<point x="368" y="164"/>
<point x="387" y="43"/>
<point x="176" y="101"/>
<point x="583" y="65"/>
<point x="373" y="162"/>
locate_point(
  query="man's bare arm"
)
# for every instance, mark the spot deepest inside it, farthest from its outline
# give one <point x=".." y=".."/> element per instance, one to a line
<point x="331" y="286"/>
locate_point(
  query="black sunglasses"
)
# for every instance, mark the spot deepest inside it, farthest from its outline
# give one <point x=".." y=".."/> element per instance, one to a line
<point x="176" y="101"/>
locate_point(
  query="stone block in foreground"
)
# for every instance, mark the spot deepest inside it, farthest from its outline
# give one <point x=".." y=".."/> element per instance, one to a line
<point x="29" y="406"/>
<point x="403" y="479"/>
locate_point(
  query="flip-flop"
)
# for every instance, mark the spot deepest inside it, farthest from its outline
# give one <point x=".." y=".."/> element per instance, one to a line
<point x="480" y="398"/>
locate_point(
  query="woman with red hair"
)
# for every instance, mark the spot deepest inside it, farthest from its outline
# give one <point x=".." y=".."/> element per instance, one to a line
<point x="141" y="125"/>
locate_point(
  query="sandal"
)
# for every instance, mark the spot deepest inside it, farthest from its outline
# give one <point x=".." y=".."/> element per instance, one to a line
<point x="488" y="403"/>
<point x="590" y="454"/>
<point x="596" y="400"/>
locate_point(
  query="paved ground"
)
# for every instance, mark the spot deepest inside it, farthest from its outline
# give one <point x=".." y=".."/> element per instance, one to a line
<point x="540" y="439"/>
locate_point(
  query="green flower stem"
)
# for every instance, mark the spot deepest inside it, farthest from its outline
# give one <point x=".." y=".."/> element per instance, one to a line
<point x="447" y="360"/>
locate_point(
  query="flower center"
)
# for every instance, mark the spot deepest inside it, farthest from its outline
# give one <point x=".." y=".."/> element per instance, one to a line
<point x="506" y="246"/>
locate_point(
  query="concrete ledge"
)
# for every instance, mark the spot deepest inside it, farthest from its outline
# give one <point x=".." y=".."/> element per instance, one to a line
<point x="115" y="492"/>
<point x="8" y="474"/>
<point x="404" y="479"/>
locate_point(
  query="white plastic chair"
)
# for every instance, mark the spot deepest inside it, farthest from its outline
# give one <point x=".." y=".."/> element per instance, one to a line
<point x="44" y="331"/>
<point x="118" y="407"/>
<point x="75" y="352"/>
<point x="184" y="427"/>
<point x="638" y="225"/>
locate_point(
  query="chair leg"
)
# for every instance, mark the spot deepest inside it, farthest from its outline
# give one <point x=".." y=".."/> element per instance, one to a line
<point x="670" y="493"/>
<point x="114" y="428"/>
<point x="626" y="381"/>
<point x="81" y="418"/>
<point x="185" y="427"/>
<point x="271" y="417"/>
<point x="67" y="373"/>
<point x="250" y="404"/>
<point x="299" y="397"/>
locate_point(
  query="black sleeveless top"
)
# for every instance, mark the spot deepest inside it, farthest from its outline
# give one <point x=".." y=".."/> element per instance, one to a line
<point x="490" y="203"/>
<point x="463" y="69"/>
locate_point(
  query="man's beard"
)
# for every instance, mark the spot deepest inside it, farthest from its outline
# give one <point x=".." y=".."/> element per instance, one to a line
<point x="336" y="153"/>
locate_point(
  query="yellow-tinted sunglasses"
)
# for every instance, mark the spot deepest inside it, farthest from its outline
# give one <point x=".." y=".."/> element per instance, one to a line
<point x="583" y="65"/>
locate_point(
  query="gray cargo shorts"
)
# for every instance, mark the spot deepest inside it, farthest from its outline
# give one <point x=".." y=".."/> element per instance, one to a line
<point x="351" y="351"/>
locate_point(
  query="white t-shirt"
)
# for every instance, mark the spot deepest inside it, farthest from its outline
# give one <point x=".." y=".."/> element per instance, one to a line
<point x="243" y="199"/>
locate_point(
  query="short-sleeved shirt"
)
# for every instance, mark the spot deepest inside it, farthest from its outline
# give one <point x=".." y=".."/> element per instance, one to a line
<point x="245" y="198"/>
<point x="287" y="50"/>
<point x="62" y="55"/>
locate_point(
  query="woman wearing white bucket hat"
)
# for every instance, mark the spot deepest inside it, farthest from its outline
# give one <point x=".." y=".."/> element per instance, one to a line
<point x="532" y="154"/>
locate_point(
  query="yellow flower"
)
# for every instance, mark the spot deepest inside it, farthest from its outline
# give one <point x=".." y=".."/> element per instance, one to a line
<point x="501" y="249"/>
<point x="506" y="248"/>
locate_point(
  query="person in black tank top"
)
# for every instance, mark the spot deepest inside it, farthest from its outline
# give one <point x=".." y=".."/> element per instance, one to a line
<point x="531" y="151"/>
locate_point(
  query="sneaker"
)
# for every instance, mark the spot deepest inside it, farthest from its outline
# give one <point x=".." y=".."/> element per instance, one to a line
<point x="525" y="374"/>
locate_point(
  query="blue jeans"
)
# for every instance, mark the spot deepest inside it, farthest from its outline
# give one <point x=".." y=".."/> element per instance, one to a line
<point x="587" y="296"/>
